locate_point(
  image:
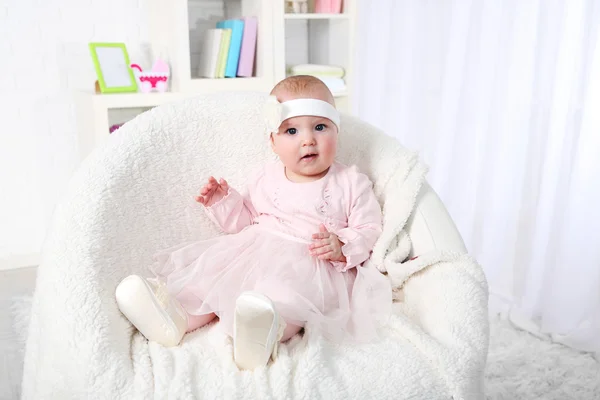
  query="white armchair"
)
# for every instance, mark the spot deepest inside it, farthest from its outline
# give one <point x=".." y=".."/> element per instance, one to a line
<point x="134" y="196"/>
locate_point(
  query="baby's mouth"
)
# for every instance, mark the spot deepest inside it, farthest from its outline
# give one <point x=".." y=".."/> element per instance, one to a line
<point x="309" y="157"/>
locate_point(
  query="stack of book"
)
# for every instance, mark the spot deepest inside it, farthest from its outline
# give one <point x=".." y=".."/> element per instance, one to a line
<point x="229" y="50"/>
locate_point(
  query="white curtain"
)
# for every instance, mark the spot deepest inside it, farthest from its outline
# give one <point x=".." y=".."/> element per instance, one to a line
<point x="502" y="99"/>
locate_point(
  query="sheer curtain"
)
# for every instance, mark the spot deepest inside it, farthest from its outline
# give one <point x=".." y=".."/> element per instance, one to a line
<point x="502" y="99"/>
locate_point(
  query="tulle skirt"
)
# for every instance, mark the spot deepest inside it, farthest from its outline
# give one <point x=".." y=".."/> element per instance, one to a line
<point x="208" y="276"/>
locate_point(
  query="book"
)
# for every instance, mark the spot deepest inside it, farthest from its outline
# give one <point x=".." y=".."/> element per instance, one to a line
<point x="233" y="57"/>
<point x="223" y="52"/>
<point x="210" y="53"/>
<point x="248" y="50"/>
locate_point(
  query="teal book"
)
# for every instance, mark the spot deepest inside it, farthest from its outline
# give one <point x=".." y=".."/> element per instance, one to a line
<point x="233" y="57"/>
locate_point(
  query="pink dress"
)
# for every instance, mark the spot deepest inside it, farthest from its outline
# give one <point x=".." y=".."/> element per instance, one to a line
<point x="271" y="226"/>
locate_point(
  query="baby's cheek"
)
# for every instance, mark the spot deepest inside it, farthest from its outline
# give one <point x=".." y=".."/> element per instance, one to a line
<point x="329" y="145"/>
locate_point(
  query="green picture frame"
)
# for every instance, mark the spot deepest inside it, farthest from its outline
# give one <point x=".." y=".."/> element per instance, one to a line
<point x="112" y="65"/>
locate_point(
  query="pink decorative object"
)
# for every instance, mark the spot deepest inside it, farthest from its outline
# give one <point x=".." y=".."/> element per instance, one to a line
<point x="328" y="6"/>
<point x="154" y="80"/>
<point x="114" y="127"/>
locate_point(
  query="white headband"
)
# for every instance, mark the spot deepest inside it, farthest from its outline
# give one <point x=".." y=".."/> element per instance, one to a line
<point x="276" y="112"/>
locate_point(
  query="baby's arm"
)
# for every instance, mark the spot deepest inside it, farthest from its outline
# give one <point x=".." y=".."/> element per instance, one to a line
<point x="364" y="223"/>
<point x="229" y="209"/>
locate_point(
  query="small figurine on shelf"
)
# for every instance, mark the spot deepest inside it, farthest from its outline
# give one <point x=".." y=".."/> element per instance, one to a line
<point x="154" y="80"/>
<point x="296" y="6"/>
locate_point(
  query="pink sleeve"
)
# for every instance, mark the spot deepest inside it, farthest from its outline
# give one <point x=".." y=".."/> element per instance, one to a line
<point x="364" y="223"/>
<point x="235" y="211"/>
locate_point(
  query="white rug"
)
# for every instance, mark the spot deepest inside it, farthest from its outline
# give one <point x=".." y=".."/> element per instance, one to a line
<point x="520" y="365"/>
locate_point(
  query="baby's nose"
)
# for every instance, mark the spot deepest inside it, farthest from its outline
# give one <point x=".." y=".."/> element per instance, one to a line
<point x="308" y="139"/>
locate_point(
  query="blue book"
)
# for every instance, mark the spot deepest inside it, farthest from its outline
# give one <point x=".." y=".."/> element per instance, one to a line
<point x="233" y="57"/>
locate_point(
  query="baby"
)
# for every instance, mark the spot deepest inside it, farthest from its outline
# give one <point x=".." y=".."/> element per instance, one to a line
<point x="298" y="235"/>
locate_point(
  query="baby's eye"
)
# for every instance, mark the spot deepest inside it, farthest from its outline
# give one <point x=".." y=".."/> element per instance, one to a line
<point x="292" y="131"/>
<point x="321" y="127"/>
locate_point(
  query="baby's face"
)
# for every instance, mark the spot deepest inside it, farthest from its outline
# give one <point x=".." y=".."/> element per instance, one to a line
<point x="306" y="146"/>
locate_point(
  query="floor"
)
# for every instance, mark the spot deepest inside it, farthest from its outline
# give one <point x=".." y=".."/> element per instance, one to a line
<point x="13" y="283"/>
<point x="522" y="367"/>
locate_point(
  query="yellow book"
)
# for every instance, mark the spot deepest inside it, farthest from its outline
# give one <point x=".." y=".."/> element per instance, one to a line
<point x="223" y="52"/>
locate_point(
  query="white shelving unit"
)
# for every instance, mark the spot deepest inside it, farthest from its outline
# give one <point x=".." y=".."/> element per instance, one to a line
<point x="318" y="39"/>
<point x="176" y="28"/>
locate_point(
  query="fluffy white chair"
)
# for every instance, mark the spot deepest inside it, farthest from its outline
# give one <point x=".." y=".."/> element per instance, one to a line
<point x="134" y="196"/>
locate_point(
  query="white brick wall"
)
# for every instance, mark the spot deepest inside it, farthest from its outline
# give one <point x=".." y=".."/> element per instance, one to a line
<point x="44" y="55"/>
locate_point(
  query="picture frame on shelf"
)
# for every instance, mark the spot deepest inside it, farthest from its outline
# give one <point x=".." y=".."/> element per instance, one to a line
<point x="112" y="65"/>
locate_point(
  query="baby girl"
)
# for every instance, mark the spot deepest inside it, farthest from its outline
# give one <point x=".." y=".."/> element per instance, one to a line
<point x="298" y="235"/>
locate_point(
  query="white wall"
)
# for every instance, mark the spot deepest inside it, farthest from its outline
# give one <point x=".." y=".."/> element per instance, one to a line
<point x="43" y="58"/>
<point x="44" y="55"/>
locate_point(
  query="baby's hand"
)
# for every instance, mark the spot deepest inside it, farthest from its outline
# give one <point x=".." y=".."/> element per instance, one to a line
<point x="212" y="192"/>
<point x="326" y="246"/>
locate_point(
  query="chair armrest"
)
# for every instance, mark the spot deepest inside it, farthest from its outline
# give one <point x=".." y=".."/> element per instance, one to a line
<point x="447" y="303"/>
<point x="430" y="227"/>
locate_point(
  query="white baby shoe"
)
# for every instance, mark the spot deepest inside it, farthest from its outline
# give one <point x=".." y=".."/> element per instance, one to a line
<point x="257" y="329"/>
<point x="148" y="306"/>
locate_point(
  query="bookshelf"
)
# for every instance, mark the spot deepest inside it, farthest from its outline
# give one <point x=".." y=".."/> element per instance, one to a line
<point x="176" y="29"/>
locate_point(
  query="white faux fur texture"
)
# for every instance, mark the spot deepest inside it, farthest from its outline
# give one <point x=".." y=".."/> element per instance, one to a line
<point x="134" y="196"/>
<point x="520" y="366"/>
